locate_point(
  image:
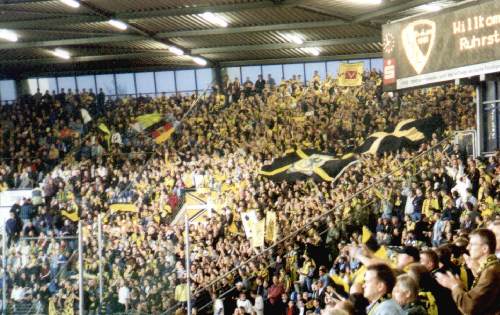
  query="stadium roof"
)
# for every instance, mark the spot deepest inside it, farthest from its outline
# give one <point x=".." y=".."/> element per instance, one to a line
<point x="258" y="32"/>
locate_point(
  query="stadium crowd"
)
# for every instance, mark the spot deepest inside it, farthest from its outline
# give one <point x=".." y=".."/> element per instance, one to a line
<point x="424" y="209"/>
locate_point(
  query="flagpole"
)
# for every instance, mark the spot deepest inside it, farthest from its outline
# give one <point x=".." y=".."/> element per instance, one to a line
<point x="4" y="277"/>
<point x="80" y="267"/>
<point x="188" y="271"/>
<point x="99" y="240"/>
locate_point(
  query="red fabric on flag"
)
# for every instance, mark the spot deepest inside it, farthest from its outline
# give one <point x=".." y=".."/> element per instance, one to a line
<point x="351" y="75"/>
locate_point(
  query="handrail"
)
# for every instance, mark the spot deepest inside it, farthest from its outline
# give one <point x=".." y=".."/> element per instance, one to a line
<point x="321" y="233"/>
<point x="316" y="219"/>
<point x="57" y="276"/>
<point x="234" y="287"/>
<point x="321" y="216"/>
<point x="144" y="166"/>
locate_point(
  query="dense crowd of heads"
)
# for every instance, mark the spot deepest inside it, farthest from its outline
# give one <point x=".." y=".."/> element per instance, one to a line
<point x="431" y="199"/>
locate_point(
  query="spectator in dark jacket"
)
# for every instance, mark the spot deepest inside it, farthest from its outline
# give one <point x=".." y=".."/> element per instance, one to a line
<point x="418" y="201"/>
<point x="26" y="212"/>
<point x="12" y="228"/>
<point x="45" y="222"/>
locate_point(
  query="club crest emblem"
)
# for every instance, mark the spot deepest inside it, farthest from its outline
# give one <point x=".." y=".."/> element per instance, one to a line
<point x="309" y="164"/>
<point x="418" y="41"/>
<point x="351" y="75"/>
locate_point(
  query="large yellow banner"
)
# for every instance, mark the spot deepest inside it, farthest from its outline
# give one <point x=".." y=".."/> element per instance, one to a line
<point x="351" y="74"/>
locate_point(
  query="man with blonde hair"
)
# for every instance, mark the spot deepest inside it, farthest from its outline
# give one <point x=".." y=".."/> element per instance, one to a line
<point x="405" y="293"/>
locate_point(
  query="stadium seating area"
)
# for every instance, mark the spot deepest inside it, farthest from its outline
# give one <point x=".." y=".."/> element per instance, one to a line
<point x="412" y="210"/>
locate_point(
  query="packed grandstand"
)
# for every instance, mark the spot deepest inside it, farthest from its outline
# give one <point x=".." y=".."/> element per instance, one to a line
<point x="399" y="221"/>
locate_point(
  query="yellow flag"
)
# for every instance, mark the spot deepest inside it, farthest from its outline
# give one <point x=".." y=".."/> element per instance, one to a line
<point x="52" y="307"/>
<point x="351" y="74"/>
<point x="73" y="216"/>
<point x="367" y="234"/>
<point x="381" y="253"/>
<point x="359" y="275"/>
<point x="123" y="207"/>
<point x="341" y="282"/>
<point x="104" y="128"/>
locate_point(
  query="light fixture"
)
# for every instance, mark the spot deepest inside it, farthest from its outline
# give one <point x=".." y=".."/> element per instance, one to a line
<point x="214" y="19"/>
<point x="312" y="51"/>
<point x="118" y="24"/>
<point x="431" y="7"/>
<point x="292" y="38"/>
<point x="8" y="35"/>
<point x="200" y="61"/>
<point x="61" y="53"/>
<point x="71" y="3"/>
<point x="176" y="51"/>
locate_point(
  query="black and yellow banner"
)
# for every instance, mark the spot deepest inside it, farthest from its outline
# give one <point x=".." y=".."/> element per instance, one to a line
<point x="306" y="164"/>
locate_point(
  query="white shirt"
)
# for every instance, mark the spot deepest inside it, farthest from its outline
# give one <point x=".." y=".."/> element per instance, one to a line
<point x="17" y="294"/>
<point x="258" y="306"/>
<point x="461" y="187"/>
<point x="116" y="138"/>
<point x="409" y="208"/>
<point x="245" y="304"/>
<point x="123" y="295"/>
<point x="218" y="307"/>
<point x="198" y="180"/>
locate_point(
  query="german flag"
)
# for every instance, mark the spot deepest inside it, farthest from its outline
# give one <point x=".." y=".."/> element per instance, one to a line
<point x="163" y="133"/>
<point x="144" y="122"/>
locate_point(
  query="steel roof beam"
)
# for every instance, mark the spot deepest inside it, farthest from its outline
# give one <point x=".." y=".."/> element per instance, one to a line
<point x="71" y="41"/>
<point x="406" y="5"/>
<point x="22" y="24"/>
<point x="11" y="2"/>
<point x="250" y="29"/>
<point x="204" y="8"/>
<point x="325" y="12"/>
<point x="127" y="16"/>
<point x="217" y="31"/>
<point x="318" y="43"/>
<point x="146" y="54"/>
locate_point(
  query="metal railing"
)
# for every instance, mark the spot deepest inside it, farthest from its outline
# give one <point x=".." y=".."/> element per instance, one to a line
<point x="315" y="219"/>
<point x="152" y="157"/>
